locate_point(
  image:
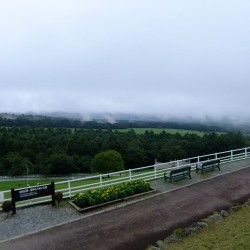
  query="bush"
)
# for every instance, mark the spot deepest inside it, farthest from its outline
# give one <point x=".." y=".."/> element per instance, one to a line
<point x="99" y="196"/>
<point x="7" y="206"/>
<point x="58" y="197"/>
<point x="107" y="161"/>
<point x="140" y="187"/>
<point x="178" y="231"/>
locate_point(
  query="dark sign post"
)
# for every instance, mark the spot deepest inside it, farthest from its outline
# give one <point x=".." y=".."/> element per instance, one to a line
<point x="31" y="193"/>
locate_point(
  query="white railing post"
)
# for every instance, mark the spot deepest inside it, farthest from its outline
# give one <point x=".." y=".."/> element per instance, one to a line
<point x="216" y="155"/>
<point x="100" y="180"/>
<point x="245" y="152"/>
<point x="198" y="158"/>
<point x="232" y="155"/>
<point x="155" y="171"/>
<point x="69" y="188"/>
<point x="130" y="175"/>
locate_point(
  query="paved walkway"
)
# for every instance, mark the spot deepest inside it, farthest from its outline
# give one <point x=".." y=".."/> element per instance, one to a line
<point x="162" y="186"/>
<point x="137" y="225"/>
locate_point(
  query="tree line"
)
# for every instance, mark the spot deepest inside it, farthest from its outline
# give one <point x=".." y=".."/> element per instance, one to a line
<point x="62" y="151"/>
<point x="38" y="121"/>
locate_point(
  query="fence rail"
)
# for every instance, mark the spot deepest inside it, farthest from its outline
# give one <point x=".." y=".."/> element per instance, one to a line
<point x="72" y="187"/>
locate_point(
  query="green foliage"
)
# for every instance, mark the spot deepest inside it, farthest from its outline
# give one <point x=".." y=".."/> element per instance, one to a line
<point x="107" y="161"/>
<point x="134" y="156"/>
<point x="58" y="197"/>
<point x="7" y="206"/>
<point x="62" y="151"/>
<point x="18" y="165"/>
<point x="178" y="231"/>
<point x="62" y="164"/>
<point x="99" y="196"/>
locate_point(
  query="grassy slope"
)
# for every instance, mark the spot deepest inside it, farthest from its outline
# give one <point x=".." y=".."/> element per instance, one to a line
<point x="232" y="233"/>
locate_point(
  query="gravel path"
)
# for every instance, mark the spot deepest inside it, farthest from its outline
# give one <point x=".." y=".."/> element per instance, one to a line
<point x="34" y="219"/>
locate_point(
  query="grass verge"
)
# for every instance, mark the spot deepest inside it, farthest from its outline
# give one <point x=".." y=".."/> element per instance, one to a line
<point x="230" y="234"/>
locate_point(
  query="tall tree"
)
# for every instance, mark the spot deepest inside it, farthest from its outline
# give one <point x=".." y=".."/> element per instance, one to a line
<point x="107" y="161"/>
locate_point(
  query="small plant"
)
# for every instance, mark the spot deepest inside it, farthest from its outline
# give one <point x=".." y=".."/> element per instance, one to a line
<point x="7" y="207"/>
<point x="58" y="197"/>
<point x="178" y="231"/>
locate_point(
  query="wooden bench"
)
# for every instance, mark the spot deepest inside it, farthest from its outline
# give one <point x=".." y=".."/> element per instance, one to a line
<point x="177" y="173"/>
<point x="208" y="165"/>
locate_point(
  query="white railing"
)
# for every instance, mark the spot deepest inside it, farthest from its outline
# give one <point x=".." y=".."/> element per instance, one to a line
<point x="72" y="187"/>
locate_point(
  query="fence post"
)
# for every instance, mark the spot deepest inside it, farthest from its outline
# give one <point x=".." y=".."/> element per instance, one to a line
<point x="69" y="188"/>
<point x="130" y="174"/>
<point x="198" y="158"/>
<point x="245" y="152"/>
<point x="216" y="155"/>
<point x="232" y="156"/>
<point x="13" y="201"/>
<point x="155" y="171"/>
<point x="53" y="193"/>
<point x="100" y="180"/>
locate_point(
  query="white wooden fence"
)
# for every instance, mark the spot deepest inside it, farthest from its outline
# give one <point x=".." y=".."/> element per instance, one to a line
<point x="74" y="186"/>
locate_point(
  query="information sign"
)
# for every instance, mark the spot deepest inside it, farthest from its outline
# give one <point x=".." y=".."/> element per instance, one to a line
<point x="32" y="193"/>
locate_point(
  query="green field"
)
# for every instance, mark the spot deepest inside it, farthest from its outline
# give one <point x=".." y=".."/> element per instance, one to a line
<point x="159" y="130"/>
<point x="8" y="185"/>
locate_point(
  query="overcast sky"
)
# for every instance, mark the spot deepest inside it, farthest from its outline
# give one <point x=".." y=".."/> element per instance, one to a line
<point x="178" y="58"/>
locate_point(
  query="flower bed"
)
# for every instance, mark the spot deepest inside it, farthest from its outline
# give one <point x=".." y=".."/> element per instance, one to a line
<point x="104" y="196"/>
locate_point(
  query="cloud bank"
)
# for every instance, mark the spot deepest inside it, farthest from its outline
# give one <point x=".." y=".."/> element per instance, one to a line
<point x="181" y="58"/>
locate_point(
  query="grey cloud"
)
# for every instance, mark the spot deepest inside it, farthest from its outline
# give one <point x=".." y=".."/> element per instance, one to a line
<point x="167" y="58"/>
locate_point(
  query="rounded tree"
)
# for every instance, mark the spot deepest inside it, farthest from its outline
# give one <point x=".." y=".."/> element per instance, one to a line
<point x="107" y="161"/>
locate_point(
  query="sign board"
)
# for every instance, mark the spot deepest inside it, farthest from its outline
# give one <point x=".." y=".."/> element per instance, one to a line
<point x="32" y="193"/>
<point x="1" y="196"/>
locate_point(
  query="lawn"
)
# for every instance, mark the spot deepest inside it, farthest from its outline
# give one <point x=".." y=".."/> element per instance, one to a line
<point x="232" y="233"/>
<point x="8" y="185"/>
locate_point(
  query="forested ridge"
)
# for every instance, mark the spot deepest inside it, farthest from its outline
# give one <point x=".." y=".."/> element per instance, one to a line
<point x="35" y="121"/>
<point x="62" y="150"/>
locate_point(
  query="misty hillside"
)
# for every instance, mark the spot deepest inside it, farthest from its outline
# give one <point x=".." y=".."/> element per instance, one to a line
<point x="109" y="121"/>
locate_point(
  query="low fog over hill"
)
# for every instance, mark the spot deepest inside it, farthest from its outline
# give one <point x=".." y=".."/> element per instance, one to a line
<point x="116" y="121"/>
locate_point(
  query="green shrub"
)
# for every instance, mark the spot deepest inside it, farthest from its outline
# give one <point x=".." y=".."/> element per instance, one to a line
<point x="140" y="187"/>
<point x="58" y="197"/>
<point x="178" y="231"/>
<point x="99" y="196"/>
<point x="129" y="191"/>
<point x="81" y="200"/>
<point x="7" y="206"/>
